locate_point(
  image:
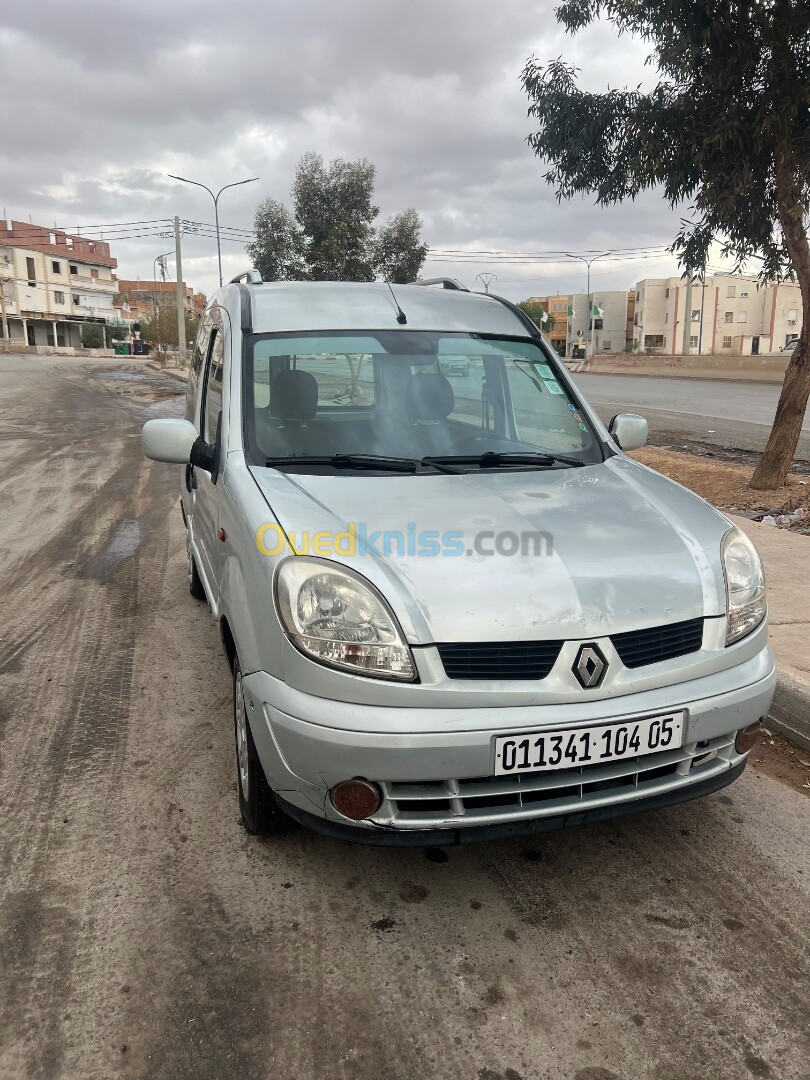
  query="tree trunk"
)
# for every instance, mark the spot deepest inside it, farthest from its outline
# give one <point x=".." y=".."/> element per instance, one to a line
<point x="777" y="457"/>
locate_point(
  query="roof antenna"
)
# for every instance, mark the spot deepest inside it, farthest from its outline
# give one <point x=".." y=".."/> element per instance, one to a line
<point x="401" y="319"/>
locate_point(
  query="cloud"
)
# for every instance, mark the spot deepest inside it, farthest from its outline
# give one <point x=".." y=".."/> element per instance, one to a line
<point x="113" y="97"/>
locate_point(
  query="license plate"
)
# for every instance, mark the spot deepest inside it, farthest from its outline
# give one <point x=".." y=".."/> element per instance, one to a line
<point x="568" y="748"/>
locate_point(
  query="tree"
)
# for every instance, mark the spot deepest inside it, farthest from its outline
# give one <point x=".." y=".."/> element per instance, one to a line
<point x="92" y="335"/>
<point x="278" y="250"/>
<point x="536" y="312"/>
<point x="399" y="253"/>
<point x="162" y="329"/>
<point x="726" y="127"/>
<point x="331" y="235"/>
<point x="334" y="209"/>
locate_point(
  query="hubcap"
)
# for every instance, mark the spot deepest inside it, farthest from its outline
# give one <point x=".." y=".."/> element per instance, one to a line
<point x="241" y="739"/>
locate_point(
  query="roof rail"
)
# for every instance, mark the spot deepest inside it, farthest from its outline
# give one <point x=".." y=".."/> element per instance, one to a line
<point x="250" y="277"/>
<point x="445" y="282"/>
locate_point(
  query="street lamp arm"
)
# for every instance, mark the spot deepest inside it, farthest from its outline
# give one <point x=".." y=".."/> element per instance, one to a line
<point x="235" y="184"/>
<point x="196" y="183"/>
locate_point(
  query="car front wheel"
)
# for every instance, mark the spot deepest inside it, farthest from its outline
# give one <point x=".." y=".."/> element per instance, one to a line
<point x="259" y="810"/>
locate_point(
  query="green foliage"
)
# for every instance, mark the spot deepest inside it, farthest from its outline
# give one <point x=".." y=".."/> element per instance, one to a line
<point x="399" y="253"/>
<point x="732" y="100"/>
<point x="116" y="331"/>
<point x="162" y="329"/>
<point x="92" y="335"/>
<point x="278" y="250"/>
<point x="726" y="129"/>
<point x="535" y="312"/>
<point x="331" y="235"/>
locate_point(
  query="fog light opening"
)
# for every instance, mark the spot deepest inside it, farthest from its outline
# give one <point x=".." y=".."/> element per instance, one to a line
<point x="746" y="737"/>
<point x="356" y="799"/>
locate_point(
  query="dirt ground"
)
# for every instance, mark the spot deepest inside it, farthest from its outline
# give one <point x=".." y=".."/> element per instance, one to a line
<point x="144" y="934"/>
<point x="725" y="485"/>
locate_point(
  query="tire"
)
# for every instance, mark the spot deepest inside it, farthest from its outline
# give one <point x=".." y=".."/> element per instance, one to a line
<point x="260" y="813"/>
<point x="195" y="585"/>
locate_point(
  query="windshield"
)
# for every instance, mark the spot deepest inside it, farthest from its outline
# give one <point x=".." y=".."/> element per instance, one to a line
<point x="407" y="394"/>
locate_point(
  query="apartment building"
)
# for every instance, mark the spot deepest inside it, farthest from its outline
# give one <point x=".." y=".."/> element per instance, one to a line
<point x="610" y="331"/>
<point x="52" y="283"/>
<point x="731" y="314"/>
<point x="557" y="307"/>
<point x="136" y="300"/>
<point x="612" y="315"/>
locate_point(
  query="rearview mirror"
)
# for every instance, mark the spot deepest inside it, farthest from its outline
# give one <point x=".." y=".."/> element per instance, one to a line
<point x="169" y="440"/>
<point x="629" y="431"/>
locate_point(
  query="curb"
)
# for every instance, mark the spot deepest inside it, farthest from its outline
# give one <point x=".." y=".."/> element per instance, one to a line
<point x="790" y="711"/>
<point x="173" y="373"/>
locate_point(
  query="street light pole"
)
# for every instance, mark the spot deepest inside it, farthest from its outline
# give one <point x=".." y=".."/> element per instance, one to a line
<point x="196" y="183"/>
<point x="593" y="258"/>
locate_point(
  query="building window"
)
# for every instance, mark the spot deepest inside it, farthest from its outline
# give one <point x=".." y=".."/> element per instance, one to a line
<point x="77" y="300"/>
<point x="58" y="297"/>
<point x="726" y="342"/>
<point x="606" y="346"/>
<point x="729" y="316"/>
<point x="666" y="316"/>
<point x="793" y="315"/>
<point x="74" y="269"/>
<point x="638" y="297"/>
<point x="653" y="341"/>
<point x="94" y="272"/>
<point x="731" y="291"/>
<point x="56" y="267"/>
<point x="666" y="294"/>
<point x="693" y="340"/>
<point x="32" y="274"/>
<point x="696" y="315"/>
<point x="742" y="316"/>
<point x="743" y="292"/>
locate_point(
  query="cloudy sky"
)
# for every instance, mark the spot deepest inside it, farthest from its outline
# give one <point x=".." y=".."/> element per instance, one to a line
<point x="110" y="97"/>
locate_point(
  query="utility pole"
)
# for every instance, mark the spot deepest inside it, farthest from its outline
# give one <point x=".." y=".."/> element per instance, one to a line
<point x="181" y="314"/>
<point x="687" y="314"/>
<point x="6" y="343"/>
<point x="486" y="280"/>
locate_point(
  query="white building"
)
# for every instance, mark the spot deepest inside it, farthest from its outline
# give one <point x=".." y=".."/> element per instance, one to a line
<point x="52" y="283"/>
<point x="731" y="314"/>
<point x="609" y="330"/>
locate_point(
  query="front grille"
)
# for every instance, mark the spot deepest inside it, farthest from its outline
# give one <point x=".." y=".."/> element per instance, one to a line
<point x="500" y="659"/>
<point x="639" y="647"/>
<point x="455" y="803"/>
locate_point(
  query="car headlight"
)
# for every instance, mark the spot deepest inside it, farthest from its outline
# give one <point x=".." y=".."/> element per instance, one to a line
<point x="745" y="585"/>
<point x="338" y="618"/>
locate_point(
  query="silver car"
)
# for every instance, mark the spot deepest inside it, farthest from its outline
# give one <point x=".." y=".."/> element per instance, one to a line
<point x="453" y="608"/>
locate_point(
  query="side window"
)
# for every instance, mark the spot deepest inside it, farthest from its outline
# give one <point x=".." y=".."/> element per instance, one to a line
<point x="212" y="405"/>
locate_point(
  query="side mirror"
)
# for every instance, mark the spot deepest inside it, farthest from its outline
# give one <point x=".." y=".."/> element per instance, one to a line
<point x="629" y="431"/>
<point x="169" y="440"/>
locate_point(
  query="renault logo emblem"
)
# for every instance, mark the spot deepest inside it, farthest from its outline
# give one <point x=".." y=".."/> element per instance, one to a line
<point x="590" y="666"/>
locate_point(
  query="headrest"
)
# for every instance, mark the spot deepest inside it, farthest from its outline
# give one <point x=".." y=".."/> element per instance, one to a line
<point x="429" y="396"/>
<point x="294" y="395"/>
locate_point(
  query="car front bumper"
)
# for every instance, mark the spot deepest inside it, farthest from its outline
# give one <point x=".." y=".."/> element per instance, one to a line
<point x="434" y="772"/>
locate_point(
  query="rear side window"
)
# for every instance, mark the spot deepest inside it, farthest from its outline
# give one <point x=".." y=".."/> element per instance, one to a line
<point x="212" y="405"/>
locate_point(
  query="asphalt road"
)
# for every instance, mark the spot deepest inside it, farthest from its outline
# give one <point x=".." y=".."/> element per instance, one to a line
<point x="718" y="412"/>
<point x="144" y="934"/>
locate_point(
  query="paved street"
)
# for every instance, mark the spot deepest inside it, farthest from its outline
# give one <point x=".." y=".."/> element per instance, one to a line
<point x="715" y="411"/>
<point x="144" y="934"/>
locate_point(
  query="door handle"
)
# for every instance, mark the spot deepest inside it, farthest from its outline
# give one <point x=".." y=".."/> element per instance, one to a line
<point x="191" y="479"/>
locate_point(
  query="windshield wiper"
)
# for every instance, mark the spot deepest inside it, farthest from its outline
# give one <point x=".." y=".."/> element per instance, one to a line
<point x="348" y="461"/>
<point x="363" y="461"/>
<point x="493" y="460"/>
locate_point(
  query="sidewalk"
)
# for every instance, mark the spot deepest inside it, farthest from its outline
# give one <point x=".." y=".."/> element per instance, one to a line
<point x="786" y="558"/>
